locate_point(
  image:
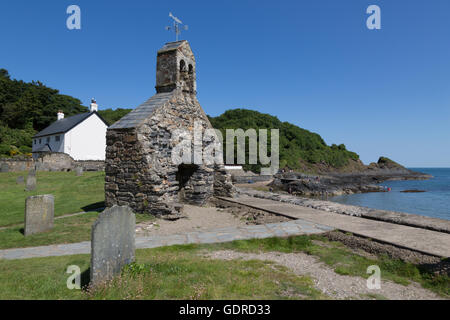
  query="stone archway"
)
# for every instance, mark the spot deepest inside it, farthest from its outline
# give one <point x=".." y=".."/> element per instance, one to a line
<point x="184" y="177"/>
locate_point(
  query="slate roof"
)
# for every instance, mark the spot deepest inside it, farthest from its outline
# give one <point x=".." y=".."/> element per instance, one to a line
<point x="142" y="112"/>
<point x="44" y="148"/>
<point x="64" y="125"/>
<point x="171" y="46"/>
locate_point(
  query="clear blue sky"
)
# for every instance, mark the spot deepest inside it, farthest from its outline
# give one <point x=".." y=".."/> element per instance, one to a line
<point x="313" y="63"/>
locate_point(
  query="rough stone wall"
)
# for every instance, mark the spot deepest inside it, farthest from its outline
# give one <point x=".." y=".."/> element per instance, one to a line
<point x="91" y="165"/>
<point x="16" y="165"/>
<point x="140" y="171"/>
<point x="223" y="186"/>
<point x="176" y="70"/>
<point x="55" y="161"/>
<point x="123" y="184"/>
<point x="139" y="167"/>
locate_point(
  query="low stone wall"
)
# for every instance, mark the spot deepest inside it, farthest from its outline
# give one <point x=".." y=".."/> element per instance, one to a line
<point x="407" y="219"/>
<point x="91" y="165"/>
<point x="16" y="164"/>
<point x="49" y="162"/>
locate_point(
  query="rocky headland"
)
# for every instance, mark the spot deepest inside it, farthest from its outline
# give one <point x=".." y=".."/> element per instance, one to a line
<point x="355" y="178"/>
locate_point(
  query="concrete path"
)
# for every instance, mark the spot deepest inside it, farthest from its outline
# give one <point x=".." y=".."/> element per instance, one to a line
<point x="290" y="228"/>
<point x="421" y="240"/>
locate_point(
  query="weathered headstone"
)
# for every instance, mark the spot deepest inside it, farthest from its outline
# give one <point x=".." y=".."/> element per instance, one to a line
<point x="4" y="167"/>
<point x="20" y="180"/>
<point x="113" y="243"/>
<point x="39" y="214"/>
<point x="31" y="181"/>
<point x="79" y="171"/>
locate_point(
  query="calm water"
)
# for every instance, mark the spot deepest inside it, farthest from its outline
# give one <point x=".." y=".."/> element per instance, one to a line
<point x="435" y="202"/>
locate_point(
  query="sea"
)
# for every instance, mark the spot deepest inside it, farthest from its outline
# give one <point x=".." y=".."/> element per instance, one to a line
<point x="435" y="202"/>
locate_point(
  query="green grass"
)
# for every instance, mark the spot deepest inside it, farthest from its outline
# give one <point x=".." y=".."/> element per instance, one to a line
<point x="346" y="262"/>
<point x="176" y="272"/>
<point x="65" y="230"/>
<point x="72" y="194"/>
<point x="181" y="272"/>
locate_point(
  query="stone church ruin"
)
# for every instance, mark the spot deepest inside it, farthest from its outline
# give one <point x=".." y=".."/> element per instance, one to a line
<point x="139" y="168"/>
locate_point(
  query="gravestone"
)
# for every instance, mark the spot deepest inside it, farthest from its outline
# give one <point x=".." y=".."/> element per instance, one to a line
<point x="20" y="180"/>
<point x="113" y="243"/>
<point x="39" y="214"/>
<point x="4" y="167"/>
<point x="79" y="171"/>
<point x="31" y="181"/>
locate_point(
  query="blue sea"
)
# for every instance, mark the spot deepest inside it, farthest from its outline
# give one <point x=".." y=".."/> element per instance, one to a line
<point x="435" y="202"/>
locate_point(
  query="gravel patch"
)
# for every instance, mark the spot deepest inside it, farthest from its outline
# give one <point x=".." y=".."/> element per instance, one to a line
<point x="330" y="283"/>
<point x="214" y="216"/>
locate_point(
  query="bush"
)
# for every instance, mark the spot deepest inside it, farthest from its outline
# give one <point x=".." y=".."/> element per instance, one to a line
<point x="296" y="144"/>
<point x="25" y="149"/>
<point x="4" y="150"/>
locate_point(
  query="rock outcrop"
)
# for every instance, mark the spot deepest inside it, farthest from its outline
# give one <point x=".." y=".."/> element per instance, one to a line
<point x="363" y="180"/>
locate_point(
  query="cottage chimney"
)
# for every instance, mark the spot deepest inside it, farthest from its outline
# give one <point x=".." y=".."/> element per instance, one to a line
<point x="94" y="105"/>
<point x="60" y="115"/>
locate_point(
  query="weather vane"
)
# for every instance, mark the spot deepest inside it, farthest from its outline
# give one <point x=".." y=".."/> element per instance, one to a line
<point x="176" y="26"/>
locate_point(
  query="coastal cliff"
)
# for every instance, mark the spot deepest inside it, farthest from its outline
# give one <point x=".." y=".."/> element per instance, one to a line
<point x="355" y="178"/>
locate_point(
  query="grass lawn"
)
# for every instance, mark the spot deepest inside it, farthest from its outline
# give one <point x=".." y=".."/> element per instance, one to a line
<point x="175" y="272"/>
<point x="346" y="262"/>
<point x="72" y="194"/>
<point x="65" y="230"/>
<point x="181" y="272"/>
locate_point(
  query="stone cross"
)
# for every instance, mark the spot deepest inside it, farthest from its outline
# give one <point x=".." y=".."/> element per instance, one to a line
<point x="39" y="214"/>
<point x="112" y="243"/>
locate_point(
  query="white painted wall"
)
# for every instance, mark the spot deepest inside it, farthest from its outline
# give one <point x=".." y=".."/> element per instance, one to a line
<point x="87" y="140"/>
<point x="56" y="146"/>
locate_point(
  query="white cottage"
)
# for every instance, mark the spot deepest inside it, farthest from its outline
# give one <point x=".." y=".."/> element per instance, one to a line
<point x="82" y="136"/>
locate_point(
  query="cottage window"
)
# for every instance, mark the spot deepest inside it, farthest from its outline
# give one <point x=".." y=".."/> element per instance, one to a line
<point x="48" y="139"/>
<point x="57" y="138"/>
<point x="40" y="141"/>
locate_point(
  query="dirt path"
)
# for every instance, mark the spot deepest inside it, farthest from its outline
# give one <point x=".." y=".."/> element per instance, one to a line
<point x="206" y="218"/>
<point x="330" y="283"/>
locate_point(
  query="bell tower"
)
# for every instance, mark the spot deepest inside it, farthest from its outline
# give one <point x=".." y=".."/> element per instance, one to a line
<point x="175" y="68"/>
